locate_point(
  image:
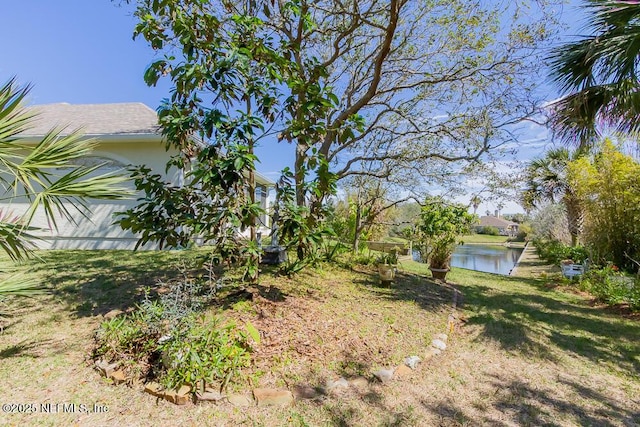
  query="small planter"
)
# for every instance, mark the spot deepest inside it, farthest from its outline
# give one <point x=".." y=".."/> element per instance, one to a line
<point x="273" y="255"/>
<point x="387" y="273"/>
<point x="439" y="273"/>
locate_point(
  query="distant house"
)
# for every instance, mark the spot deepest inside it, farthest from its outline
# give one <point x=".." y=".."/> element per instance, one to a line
<point x="127" y="134"/>
<point x="505" y="228"/>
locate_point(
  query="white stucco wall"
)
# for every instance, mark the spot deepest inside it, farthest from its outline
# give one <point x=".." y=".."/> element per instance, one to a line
<point x="97" y="231"/>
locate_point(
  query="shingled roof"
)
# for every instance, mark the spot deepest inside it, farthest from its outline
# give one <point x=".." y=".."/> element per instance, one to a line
<point x="133" y="118"/>
<point x="492" y="221"/>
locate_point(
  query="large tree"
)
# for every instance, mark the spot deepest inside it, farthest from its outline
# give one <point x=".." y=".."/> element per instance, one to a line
<point x="389" y="84"/>
<point x="599" y="74"/>
<point x="547" y="181"/>
<point x="418" y="84"/>
<point x="609" y="184"/>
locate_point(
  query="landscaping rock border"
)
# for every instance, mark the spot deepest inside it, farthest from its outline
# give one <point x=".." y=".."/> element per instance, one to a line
<point x="281" y="398"/>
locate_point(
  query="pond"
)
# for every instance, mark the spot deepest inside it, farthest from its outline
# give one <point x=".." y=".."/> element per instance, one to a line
<point x="488" y="258"/>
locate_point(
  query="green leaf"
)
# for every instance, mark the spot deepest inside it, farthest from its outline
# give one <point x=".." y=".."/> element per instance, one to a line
<point x="253" y="332"/>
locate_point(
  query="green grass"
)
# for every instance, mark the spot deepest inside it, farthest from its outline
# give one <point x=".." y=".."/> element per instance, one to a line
<point x="484" y="238"/>
<point x="546" y="321"/>
<point x="92" y="283"/>
<point x="534" y="319"/>
<point x="524" y="351"/>
<point x="398" y="240"/>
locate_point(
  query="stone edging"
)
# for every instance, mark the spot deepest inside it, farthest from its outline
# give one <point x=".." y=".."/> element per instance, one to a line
<point x="281" y="397"/>
<point x="517" y="264"/>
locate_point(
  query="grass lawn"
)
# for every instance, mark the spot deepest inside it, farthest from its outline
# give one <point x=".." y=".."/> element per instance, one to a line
<point x="484" y="238"/>
<point x="399" y="240"/>
<point x="522" y="352"/>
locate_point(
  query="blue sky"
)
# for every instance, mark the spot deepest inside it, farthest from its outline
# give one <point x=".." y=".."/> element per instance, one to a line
<point x="82" y="52"/>
<point x="75" y="51"/>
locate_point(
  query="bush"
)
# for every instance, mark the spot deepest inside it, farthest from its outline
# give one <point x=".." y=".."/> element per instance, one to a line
<point x="365" y="257"/>
<point x="554" y="252"/>
<point x="550" y="223"/>
<point x="520" y="237"/>
<point x="607" y="182"/>
<point x="169" y="340"/>
<point x="488" y="230"/>
<point x="205" y="352"/>
<point x="524" y="230"/>
<point x="612" y="287"/>
<point x="131" y="341"/>
<point x="439" y="228"/>
<point x="331" y="251"/>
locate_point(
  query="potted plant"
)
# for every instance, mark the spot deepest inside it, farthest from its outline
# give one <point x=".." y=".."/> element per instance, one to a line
<point x="438" y="231"/>
<point x="440" y="259"/>
<point x="387" y="266"/>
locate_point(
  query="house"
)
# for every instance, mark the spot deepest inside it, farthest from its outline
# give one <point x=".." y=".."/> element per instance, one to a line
<point x="505" y="228"/>
<point x="127" y="134"/>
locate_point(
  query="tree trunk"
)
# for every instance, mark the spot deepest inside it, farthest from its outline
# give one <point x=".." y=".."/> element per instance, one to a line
<point x="575" y="217"/>
<point x="299" y="174"/>
<point x="357" y="229"/>
<point x="252" y="199"/>
<point x="300" y="196"/>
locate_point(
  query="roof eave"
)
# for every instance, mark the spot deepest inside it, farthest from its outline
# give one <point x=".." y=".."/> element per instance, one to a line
<point x="109" y="138"/>
<point x="263" y="180"/>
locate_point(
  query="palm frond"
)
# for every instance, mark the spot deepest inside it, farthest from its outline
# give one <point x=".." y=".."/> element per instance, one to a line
<point x="546" y="178"/>
<point x="55" y="151"/>
<point x="15" y="238"/>
<point x="575" y="117"/>
<point x="600" y="72"/>
<point x="47" y="175"/>
<point x="19" y="285"/>
<point x="14" y="119"/>
<point x="72" y="190"/>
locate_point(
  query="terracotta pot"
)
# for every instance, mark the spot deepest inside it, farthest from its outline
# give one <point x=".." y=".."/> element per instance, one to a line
<point x="439" y="273"/>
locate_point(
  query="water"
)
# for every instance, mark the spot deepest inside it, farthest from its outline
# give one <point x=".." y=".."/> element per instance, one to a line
<point x="487" y="258"/>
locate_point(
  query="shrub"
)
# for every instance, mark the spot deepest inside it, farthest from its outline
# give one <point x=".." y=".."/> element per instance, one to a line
<point x="554" y="252"/>
<point x="439" y="228"/>
<point x="608" y="184"/>
<point x="168" y="339"/>
<point x="364" y="258"/>
<point x="331" y="251"/>
<point x="611" y="286"/>
<point x="520" y="237"/>
<point x="524" y="230"/>
<point x="129" y="340"/>
<point x="390" y="258"/>
<point x="206" y="352"/>
<point x="550" y="223"/>
<point x="489" y="230"/>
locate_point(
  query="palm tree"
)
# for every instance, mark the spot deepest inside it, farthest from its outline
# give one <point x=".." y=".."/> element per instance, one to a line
<point x="600" y="75"/>
<point x="500" y="207"/>
<point x="46" y="176"/>
<point x="475" y="202"/>
<point x="547" y="181"/>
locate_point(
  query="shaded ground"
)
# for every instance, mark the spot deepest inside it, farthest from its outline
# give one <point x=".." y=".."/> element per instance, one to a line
<point x="531" y="266"/>
<point x="521" y="354"/>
